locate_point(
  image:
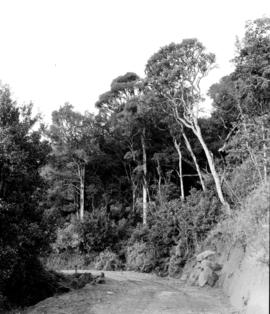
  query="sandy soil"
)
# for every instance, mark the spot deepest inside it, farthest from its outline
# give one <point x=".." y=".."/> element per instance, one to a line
<point x="136" y="293"/>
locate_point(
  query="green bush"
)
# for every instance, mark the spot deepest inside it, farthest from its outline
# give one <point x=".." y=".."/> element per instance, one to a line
<point x="31" y="282"/>
<point x="175" y="266"/>
<point x="97" y="232"/>
<point x="242" y="181"/>
<point x="23" y="236"/>
<point x="249" y="225"/>
<point x="174" y="226"/>
<point x="186" y="222"/>
<point x="67" y="238"/>
<point x="64" y="260"/>
<point x="107" y="260"/>
<point x="141" y="257"/>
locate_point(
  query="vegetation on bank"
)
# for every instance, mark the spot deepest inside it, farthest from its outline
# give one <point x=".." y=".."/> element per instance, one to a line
<point x="144" y="182"/>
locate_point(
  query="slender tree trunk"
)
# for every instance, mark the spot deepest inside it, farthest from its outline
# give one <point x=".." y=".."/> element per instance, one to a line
<point x="180" y="173"/>
<point x="210" y="160"/>
<point x="190" y="121"/>
<point x="144" y="205"/>
<point x="82" y="177"/>
<point x="144" y="178"/>
<point x="194" y="126"/>
<point x="159" y="180"/>
<point x="194" y="160"/>
<point x="133" y="196"/>
<point x="134" y="187"/>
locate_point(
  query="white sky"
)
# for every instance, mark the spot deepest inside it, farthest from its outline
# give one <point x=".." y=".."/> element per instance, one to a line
<point x="57" y="51"/>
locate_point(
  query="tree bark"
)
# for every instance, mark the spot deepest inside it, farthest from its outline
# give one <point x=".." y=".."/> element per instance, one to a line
<point x="194" y="126"/>
<point x="192" y="123"/>
<point x="194" y="160"/>
<point x="144" y="178"/>
<point x="180" y="173"/>
<point x="82" y="178"/>
<point x="210" y="160"/>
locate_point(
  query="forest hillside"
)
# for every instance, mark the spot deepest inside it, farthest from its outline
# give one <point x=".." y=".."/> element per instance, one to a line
<point x="145" y="183"/>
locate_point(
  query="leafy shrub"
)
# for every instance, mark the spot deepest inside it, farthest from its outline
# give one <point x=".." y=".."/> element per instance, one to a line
<point x="31" y="282"/>
<point x="185" y="223"/>
<point x="23" y="236"/>
<point x="175" y="224"/>
<point x="67" y="238"/>
<point x="79" y="243"/>
<point x="248" y="154"/>
<point x="150" y="245"/>
<point x="141" y="257"/>
<point x="64" y="260"/>
<point x="242" y="181"/>
<point x="97" y="232"/>
<point x="139" y="234"/>
<point x="249" y="224"/>
<point x="175" y="266"/>
<point x="107" y="260"/>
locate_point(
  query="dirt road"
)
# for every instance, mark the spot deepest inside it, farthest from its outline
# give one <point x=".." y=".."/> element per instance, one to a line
<point x="135" y="293"/>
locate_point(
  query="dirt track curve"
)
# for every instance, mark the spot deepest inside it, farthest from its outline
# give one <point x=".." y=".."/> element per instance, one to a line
<point x="136" y="293"/>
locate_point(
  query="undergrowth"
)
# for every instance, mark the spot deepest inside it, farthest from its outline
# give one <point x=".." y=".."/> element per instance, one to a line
<point x="249" y="224"/>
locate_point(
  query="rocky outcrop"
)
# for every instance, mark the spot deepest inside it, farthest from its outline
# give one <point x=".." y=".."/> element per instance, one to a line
<point x="203" y="270"/>
<point x="235" y="269"/>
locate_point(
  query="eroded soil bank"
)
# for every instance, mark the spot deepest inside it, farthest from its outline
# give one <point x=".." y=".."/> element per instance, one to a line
<point x="136" y="293"/>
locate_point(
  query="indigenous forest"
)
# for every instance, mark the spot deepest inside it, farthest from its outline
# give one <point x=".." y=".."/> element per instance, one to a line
<point x="147" y="182"/>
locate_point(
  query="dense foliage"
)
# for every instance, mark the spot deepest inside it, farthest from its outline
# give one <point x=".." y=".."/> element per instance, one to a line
<point x="24" y="229"/>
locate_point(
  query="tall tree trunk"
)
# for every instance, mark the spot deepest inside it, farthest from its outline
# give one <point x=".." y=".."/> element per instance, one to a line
<point x="180" y="173"/>
<point x="159" y="181"/>
<point x="210" y="160"/>
<point x="144" y="178"/>
<point x="194" y="159"/>
<point x="82" y="177"/>
<point x="194" y="126"/>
